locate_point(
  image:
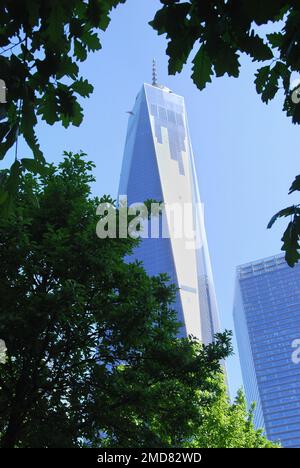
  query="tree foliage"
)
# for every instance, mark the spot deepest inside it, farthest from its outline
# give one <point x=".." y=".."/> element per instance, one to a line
<point x="226" y="425"/>
<point x="41" y="45"/>
<point x="217" y="33"/>
<point x="92" y="347"/>
<point x="291" y="235"/>
<point x="224" y="31"/>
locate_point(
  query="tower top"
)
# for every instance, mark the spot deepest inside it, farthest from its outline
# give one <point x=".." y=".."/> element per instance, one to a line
<point x="154" y="78"/>
<point x="154" y="73"/>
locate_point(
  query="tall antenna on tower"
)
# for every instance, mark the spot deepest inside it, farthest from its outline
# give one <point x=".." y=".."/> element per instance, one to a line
<point x="154" y="73"/>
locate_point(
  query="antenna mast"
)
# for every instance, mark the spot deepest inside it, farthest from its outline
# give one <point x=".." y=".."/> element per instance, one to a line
<point x="154" y="73"/>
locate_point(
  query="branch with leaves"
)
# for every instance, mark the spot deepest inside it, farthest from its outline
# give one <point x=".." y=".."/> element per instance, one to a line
<point x="218" y="33"/>
<point x="41" y="46"/>
<point x="291" y="235"/>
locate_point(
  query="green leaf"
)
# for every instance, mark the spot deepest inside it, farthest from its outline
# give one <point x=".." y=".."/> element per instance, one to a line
<point x="261" y="78"/>
<point x="77" y="114"/>
<point x="67" y="67"/>
<point x="9" y="140"/>
<point x="295" y="185"/>
<point x="178" y="51"/>
<point x="79" y="50"/>
<point x="48" y="107"/>
<point x="255" y="47"/>
<point x="91" y="40"/>
<point x="33" y="165"/>
<point x="276" y="39"/>
<point x="267" y="82"/>
<point x="96" y="15"/>
<point x="291" y="210"/>
<point x="82" y="87"/>
<point x="202" y="68"/>
<point x="74" y="117"/>
<point x="14" y="178"/>
<point x="28" y="123"/>
<point x="227" y="61"/>
<point x="290" y="241"/>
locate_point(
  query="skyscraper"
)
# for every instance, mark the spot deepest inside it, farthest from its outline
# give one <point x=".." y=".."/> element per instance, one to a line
<point x="267" y="324"/>
<point x="158" y="164"/>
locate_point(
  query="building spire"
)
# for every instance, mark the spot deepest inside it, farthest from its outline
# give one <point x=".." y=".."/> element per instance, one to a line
<point x="154" y="73"/>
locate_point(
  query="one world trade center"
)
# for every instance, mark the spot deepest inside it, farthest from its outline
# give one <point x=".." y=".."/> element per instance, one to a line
<point x="158" y="164"/>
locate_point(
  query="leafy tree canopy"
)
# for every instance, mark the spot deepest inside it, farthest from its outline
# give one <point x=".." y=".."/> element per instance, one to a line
<point x="41" y="45"/>
<point x="218" y="32"/>
<point x="226" y="425"/>
<point x="291" y="236"/>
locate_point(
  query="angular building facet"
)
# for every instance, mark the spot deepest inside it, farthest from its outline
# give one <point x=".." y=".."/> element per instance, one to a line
<point x="267" y="325"/>
<point x="158" y="164"/>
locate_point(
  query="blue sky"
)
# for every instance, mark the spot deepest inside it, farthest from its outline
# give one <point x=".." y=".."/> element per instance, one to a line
<point x="246" y="152"/>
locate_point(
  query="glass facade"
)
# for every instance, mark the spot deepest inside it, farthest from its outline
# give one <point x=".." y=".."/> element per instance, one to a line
<point x="267" y="324"/>
<point x="158" y="164"/>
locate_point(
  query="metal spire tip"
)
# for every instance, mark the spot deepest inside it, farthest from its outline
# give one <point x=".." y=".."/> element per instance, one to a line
<point x="154" y="73"/>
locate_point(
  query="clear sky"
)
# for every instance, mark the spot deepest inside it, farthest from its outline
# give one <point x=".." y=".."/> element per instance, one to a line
<point x="246" y="152"/>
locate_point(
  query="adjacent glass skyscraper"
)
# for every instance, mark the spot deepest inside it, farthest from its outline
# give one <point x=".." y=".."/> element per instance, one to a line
<point x="158" y="164"/>
<point x="267" y="324"/>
